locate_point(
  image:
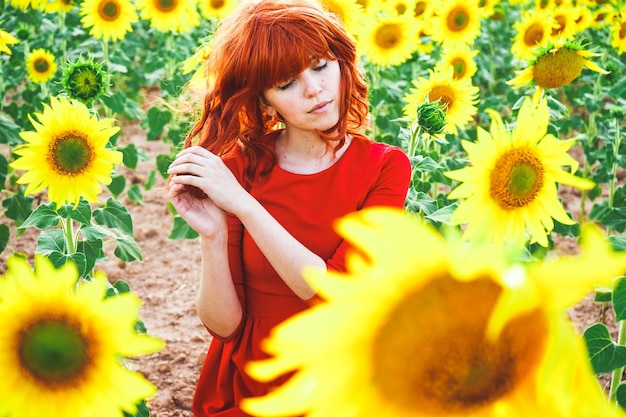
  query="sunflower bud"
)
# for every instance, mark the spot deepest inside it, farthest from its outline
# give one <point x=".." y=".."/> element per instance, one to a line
<point x="618" y="113"/>
<point x="84" y="80"/>
<point x="431" y="117"/>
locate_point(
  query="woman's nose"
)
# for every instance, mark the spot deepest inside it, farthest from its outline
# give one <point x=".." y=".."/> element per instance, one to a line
<point x="312" y="84"/>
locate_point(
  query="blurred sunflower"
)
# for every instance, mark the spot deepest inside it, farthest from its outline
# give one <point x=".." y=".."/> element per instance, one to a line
<point x="565" y="17"/>
<point x="348" y="11"/>
<point x="401" y="6"/>
<point x="6" y="40"/>
<point x="487" y="8"/>
<point x="60" y="346"/>
<point x="108" y="19"/>
<point x="457" y="96"/>
<point x="25" y="4"/>
<point x="216" y="9"/>
<point x="388" y="39"/>
<point x="603" y="16"/>
<point x="510" y="189"/>
<point x="556" y="65"/>
<point x="178" y="16"/>
<point x="59" y="6"/>
<point x="408" y="351"/>
<point x="456" y="21"/>
<point x="460" y="57"/>
<point x="618" y="33"/>
<point x="67" y="153"/>
<point x="532" y="30"/>
<point x="40" y="65"/>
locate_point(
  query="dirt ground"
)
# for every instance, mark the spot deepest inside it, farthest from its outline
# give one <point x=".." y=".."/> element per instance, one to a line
<point x="166" y="281"/>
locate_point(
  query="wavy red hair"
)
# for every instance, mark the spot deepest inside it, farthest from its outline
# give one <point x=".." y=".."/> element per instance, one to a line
<point x="263" y="43"/>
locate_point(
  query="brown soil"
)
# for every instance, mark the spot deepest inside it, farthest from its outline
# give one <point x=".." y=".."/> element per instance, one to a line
<point x="166" y="281"/>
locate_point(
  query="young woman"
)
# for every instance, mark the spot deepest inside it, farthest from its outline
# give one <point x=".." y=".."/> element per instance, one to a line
<point x="276" y="157"/>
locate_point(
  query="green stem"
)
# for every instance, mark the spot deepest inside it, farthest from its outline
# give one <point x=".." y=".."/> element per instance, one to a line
<point x="68" y="232"/>
<point x="614" y="166"/>
<point x="616" y="376"/>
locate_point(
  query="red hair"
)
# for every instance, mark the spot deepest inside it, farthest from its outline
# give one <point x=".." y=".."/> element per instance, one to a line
<point x="263" y="43"/>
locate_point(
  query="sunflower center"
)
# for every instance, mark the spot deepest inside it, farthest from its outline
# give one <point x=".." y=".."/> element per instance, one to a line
<point x="71" y="154"/>
<point x="41" y="65"/>
<point x="534" y="35"/>
<point x="217" y="4"/>
<point x="420" y="8"/>
<point x="444" y="95"/>
<point x="516" y="178"/>
<point x="458" y="19"/>
<point x="561" y="25"/>
<point x="109" y="10"/>
<point x="622" y="31"/>
<point x="460" y="68"/>
<point x="54" y="352"/>
<point x="166" y="6"/>
<point x="558" y="68"/>
<point x="428" y="357"/>
<point x="388" y="36"/>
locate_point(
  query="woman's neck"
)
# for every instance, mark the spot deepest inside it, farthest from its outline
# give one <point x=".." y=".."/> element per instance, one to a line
<point x="306" y="153"/>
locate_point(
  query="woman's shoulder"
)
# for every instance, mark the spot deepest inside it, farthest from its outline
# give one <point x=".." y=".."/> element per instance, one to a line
<point x="370" y="150"/>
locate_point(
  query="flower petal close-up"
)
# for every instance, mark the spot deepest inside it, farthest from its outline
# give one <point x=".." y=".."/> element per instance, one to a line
<point x="424" y="326"/>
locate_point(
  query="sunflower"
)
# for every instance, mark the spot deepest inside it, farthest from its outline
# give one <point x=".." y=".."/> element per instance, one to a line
<point x="618" y="34"/>
<point x="40" y="65"/>
<point x="108" y="19"/>
<point x="59" y="6"/>
<point x="67" y="153"/>
<point x="510" y="189"/>
<point x="420" y="326"/>
<point x="349" y="12"/>
<point x="60" y="347"/>
<point x="456" y="21"/>
<point x="457" y="96"/>
<point x="566" y="18"/>
<point x="556" y="65"/>
<point x="532" y="30"/>
<point x="388" y="39"/>
<point x="6" y="40"/>
<point x="84" y="80"/>
<point x="178" y="16"/>
<point x="460" y="57"/>
<point x="216" y="9"/>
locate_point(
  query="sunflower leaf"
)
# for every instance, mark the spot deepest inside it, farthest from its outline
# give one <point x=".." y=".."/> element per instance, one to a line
<point x="605" y="355"/>
<point x="182" y="230"/>
<point x="42" y="217"/>
<point x="81" y="213"/>
<point x="5" y="234"/>
<point x="59" y="259"/>
<point x="115" y="215"/>
<point x="620" y="395"/>
<point x="619" y="299"/>
<point x="127" y="249"/>
<point x="51" y="240"/>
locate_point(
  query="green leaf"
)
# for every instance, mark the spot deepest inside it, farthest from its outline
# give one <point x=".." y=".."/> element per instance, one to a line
<point x="59" y="259"/>
<point x="119" y="287"/>
<point x="157" y="119"/>
<point x="603" y="295"/>
<point x="605" y="354"/>
<point x="620" y="395"/>
<point x="92" y="249"/>
<point x="43" y="217"/>
<point x="82" y="212"/>
<point x="618" y="243"/>
<point x="150" y="180"/>
<point x="127" y="249"/>
<point x="163" y="162"/>
<point x="619" y="298"/>
<point x="422" y="203"/>
<point x="182" y="230"/>
<point x="18" y="207"/>
<point x="51" y="240"/>
<point x="130" y="155"/>
<point x="134" y="193"/>
<point x="94" y="232"/>
<point x="117" y="185"/>
<point x="442" y="215"/>
<point x="142" y="411"/>
<point x="5" y="235"/>
<point x="115" y="215"/>
<point x="4" y="171"/>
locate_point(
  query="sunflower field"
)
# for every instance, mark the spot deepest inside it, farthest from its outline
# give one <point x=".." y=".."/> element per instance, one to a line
<point x="506" y="108"/>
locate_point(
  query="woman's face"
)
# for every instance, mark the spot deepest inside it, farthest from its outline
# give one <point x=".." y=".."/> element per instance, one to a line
<point x="310" y="100"/>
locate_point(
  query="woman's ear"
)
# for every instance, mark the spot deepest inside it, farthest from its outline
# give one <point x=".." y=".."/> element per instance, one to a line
<point x="266" y="107"/>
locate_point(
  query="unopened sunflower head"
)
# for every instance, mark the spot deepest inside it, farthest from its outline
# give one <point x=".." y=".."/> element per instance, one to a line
<point x="426" y="326"/>
<point x="431" y="117"/>
<point x="84" y="80"/>
<point x="556" y="65"/>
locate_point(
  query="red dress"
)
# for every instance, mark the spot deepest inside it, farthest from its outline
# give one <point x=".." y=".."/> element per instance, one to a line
<point x="367" y="174"/>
